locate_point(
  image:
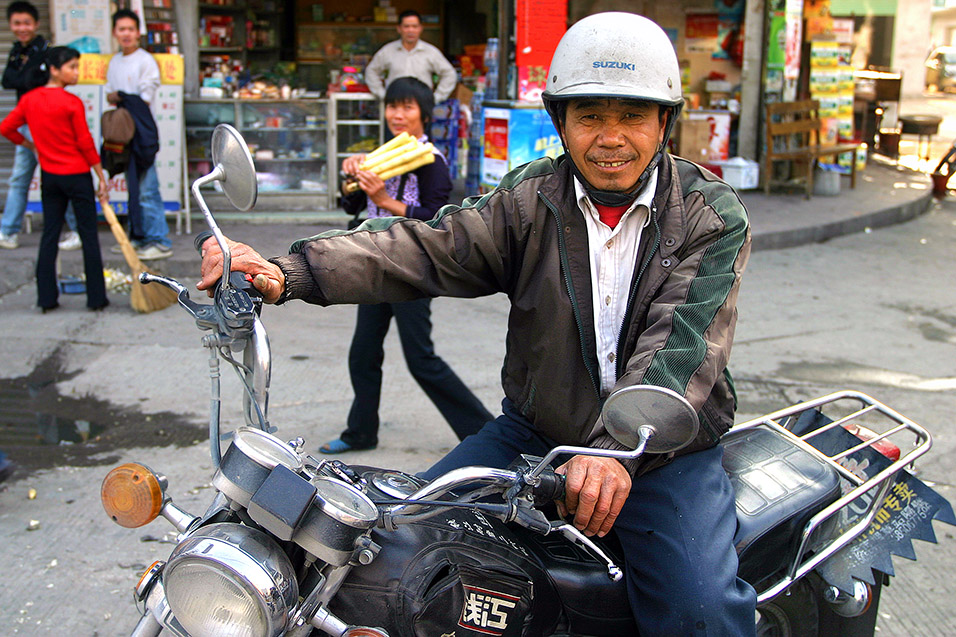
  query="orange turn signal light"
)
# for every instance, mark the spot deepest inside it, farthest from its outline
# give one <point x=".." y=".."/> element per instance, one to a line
<point x="131" y="495"/>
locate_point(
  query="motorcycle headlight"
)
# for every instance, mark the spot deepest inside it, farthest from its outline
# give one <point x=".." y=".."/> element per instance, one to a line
<point x="228" y="579"/>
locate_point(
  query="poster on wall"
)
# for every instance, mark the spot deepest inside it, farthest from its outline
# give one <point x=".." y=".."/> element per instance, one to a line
<point x="539" y="25"/>
<point x="167" y="108"/>
<point x="82" y="24"/>
<point x="700" y="32"/>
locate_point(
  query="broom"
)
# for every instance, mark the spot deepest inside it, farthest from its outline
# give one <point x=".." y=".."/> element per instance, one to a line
<point x="142" y="297"/>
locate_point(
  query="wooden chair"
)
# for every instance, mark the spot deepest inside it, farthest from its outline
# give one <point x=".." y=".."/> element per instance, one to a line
<point x="793" y="134"/>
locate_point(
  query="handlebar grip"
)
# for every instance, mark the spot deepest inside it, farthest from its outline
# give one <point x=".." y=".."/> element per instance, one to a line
<point x="201" y="239"/>
<point x="551" y="486"/>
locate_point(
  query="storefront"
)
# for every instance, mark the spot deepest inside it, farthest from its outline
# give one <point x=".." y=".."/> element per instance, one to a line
<point x="289" y="76"/>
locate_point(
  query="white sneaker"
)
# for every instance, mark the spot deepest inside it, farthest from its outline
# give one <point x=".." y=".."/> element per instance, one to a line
<point x="9" y="241"/>
<point x="153" y="251"/>
<point x="70" y="241"/>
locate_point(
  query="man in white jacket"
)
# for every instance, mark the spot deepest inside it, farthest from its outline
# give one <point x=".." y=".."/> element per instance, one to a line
<point x="134" y="71"/>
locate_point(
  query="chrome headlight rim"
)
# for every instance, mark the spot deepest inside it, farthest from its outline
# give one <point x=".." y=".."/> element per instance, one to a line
<point x="247" y="558"/>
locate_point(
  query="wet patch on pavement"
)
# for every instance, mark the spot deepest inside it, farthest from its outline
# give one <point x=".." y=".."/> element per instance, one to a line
<point x="934" y="325"/>
<point x="41" y="429"/>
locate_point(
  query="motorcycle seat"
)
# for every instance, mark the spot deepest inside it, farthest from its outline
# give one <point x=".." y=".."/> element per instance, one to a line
<point x="778" y="488"/>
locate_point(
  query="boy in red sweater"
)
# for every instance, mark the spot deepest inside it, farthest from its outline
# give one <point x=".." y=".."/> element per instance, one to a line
<point x="66" y="151"/>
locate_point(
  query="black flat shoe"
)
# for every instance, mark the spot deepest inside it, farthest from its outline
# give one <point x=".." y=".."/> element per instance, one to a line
<point x="99" y="308"/>
<point x="44" y="310"/>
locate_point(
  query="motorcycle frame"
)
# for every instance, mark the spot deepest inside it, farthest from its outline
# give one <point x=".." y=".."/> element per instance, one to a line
<point x="882" y="482"/>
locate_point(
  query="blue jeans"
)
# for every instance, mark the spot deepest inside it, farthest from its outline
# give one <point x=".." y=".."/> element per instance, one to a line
<point x="676" y="530"/>
<point x="155" y="228"/>
<point x="24" y="165"/>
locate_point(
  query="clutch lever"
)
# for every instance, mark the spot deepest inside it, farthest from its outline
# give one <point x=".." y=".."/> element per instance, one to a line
<point x="205" y="315"/>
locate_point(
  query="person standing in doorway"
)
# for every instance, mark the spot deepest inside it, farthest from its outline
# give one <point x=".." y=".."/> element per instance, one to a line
<point x="25" y="56"/>
<point x="132" y="78"/>
<point x="409" y="56"/>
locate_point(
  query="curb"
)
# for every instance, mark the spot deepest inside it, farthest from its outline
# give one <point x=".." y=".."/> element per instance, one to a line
<point x="794" y="237"/>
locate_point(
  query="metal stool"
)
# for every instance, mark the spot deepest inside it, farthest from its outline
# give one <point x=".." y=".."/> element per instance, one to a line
<point x="924" y="127"/>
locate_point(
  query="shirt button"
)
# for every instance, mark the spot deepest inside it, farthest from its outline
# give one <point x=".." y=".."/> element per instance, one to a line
<point x="607" y="300"/>
<point x="610" y="357"/>
<point x="609" y="243"/>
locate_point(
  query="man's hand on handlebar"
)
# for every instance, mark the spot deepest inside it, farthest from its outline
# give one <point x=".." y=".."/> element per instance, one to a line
<point x="595" y="492"/>
<point x="267" y="277"/>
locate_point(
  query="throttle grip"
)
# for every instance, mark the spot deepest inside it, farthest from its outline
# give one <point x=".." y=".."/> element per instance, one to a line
<point x="551" y="486"/>
<point x="201" y="239"/>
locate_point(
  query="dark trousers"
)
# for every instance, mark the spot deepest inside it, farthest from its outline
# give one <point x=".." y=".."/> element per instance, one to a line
<point x="463" y="411"/>
<point x="56" y="192"/>
<point x="676" y="530"/>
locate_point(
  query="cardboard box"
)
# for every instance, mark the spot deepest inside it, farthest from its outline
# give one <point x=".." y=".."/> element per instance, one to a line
<point x="693" y="139"/>
<point x="461" y="93"/>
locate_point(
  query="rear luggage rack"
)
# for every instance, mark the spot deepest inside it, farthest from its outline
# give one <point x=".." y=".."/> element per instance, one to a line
<point x="781" y="421"/>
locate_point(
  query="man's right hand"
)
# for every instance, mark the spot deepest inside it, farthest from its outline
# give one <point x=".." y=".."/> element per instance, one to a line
<point x="113" y="98"/>
<point x="267" y="277"/>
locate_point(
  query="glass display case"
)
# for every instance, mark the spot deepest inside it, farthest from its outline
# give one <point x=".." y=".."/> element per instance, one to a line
<point x="298" y="145"/>
<point x="288" y="140"/>
<point x="356" y="127"/>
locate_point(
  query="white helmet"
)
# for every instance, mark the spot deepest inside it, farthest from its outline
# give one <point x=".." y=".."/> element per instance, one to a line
<point x="620" y="56"/>
<point x="615" y="54"/>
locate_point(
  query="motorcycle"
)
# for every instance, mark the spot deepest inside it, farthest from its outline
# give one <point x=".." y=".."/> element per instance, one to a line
<point x="294" y="545"/>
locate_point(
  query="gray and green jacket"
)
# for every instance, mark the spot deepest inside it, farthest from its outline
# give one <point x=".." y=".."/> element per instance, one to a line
<point x="528" y="239"/>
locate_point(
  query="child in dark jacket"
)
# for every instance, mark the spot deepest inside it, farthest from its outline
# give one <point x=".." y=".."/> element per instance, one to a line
<point x="66" y="152"/>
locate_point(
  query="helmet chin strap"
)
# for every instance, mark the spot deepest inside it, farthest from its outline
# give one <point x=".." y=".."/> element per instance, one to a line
<point x="615" y="198"/>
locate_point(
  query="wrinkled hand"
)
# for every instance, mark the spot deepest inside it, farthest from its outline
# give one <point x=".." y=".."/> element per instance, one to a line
<point x="267" y="277"/>
<point x="102" y="190"/>
<point x="595" y="491"/>
<point x="113" y="98"/>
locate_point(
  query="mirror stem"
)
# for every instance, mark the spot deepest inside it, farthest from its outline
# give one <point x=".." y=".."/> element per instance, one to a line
<point x="644" y="433"/>
<point x="218" y="174"/>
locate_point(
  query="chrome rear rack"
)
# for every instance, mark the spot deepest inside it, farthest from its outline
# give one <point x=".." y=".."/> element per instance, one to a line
<point x="880" y="484"/>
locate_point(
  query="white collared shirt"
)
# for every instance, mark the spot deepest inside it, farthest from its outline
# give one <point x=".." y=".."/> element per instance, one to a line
<point x="613" y="254"/>
<point x="423" y="62"/>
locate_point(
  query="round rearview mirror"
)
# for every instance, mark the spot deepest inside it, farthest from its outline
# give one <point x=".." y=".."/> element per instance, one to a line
<point x="230" y="153"/>
<point x="664" y="416"/>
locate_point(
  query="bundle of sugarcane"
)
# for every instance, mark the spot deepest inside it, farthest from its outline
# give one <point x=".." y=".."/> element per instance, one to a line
<point x="400" y="155"/>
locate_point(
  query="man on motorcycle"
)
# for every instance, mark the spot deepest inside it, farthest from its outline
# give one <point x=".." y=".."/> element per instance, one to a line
<point x="622" y="265"/>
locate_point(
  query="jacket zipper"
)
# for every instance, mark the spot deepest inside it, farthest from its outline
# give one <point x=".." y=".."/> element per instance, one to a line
<point x="633" y="293"/>
<point x="563" y="253"/>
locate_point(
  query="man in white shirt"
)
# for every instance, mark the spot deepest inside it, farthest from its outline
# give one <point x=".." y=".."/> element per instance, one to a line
<point x="133" y="71"/>
<point x="410" y="57"/>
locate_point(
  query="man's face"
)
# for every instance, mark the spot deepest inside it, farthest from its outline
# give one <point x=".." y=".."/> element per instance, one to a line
<point x="24" y="27"/>
<point x="612" y="141"/>
<point x="126" y="33"/>
<point x="410" y="28"/>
